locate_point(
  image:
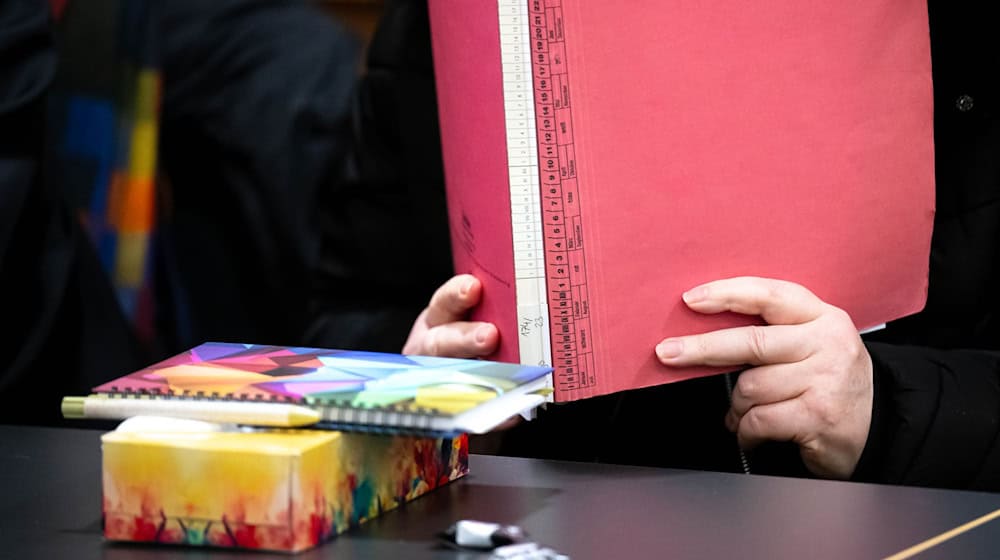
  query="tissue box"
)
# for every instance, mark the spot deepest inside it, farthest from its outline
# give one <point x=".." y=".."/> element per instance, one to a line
<point x="285" y="490"/>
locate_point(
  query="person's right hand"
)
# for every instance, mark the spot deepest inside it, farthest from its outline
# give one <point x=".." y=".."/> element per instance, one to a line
<point x="441" y="330"/>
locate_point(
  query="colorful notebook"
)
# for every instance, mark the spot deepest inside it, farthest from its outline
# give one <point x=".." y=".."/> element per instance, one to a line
<point x="334" y="389"/>
<point x="601" y="158"/>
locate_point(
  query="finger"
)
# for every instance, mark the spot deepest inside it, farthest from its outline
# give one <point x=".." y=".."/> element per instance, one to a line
<point x="777" y="301"/>
<point x="453" y="300"/>
<point x="768" y="384"/>
<point x="753" y="345"/>
<point x="732" y="421"/>
<point x="415" y="341"/>
<point x="781" y="421"/>
<point x="459" y="340"/>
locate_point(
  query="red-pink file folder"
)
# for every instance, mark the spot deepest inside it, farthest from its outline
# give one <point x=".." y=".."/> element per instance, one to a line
<point x="629" y="151"/>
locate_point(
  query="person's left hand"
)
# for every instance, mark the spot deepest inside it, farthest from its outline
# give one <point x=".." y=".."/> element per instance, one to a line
<point x="812" y="380"/>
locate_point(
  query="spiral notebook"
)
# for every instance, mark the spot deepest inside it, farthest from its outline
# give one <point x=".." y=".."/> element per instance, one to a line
<point x="334" y="389"/>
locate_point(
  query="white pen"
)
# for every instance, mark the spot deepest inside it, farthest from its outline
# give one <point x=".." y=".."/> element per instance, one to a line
<point x="227" y="412"/>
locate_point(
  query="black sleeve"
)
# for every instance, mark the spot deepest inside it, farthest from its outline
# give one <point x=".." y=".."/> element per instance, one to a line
<point x="936" y="418"/>
<point x="385" y="243"/>
<point x="255" y="123"/>
<point x="64" y="331"/>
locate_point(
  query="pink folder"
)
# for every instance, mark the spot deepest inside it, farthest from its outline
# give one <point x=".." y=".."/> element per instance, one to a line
<point x="676" y="143"/>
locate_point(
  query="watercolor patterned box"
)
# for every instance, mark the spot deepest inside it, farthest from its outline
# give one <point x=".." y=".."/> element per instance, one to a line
<point x="285" y="490"/>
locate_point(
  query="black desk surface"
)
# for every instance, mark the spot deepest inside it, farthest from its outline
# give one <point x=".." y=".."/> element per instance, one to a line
<point x="51" y="508"/>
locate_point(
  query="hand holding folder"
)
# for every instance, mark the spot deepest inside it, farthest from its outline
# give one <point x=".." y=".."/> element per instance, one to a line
<point x="442" y="328"/>
<point x="810" y="376"/>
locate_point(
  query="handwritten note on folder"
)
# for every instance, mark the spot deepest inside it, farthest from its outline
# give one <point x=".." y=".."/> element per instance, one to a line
<point x="692" y="142"/>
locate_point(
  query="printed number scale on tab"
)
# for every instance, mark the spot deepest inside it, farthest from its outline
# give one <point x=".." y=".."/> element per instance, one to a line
<point x="550" y="265"/>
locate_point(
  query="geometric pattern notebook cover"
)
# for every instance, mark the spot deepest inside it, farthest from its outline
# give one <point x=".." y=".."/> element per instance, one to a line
<point x="349" y="387"/>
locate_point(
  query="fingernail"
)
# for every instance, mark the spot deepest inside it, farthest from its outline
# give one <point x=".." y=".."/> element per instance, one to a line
<point x="464" y="290"/>
<point x="481" y="333"/>
<point x="695" y="295"/>
<point x="669" y="349"/>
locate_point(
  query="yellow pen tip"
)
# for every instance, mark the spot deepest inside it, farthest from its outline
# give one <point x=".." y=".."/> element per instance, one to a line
<point x="303" y="417"/>
<point x="72" y="407"/>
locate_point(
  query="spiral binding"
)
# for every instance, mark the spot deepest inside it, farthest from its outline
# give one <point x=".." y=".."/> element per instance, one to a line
<point x="393" y="418"/>
<point x="729" y="392"/>
<point x="388" y="431"/>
